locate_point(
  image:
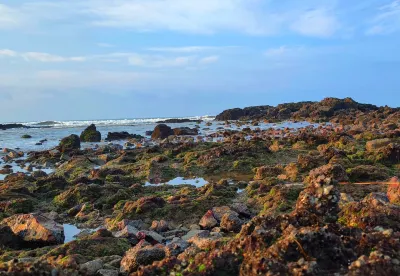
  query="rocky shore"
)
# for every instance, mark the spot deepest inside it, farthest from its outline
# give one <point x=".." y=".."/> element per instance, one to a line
<point x="317" y="200"/>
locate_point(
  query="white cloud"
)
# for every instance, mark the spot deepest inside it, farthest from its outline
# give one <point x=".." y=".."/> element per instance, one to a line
<point x="45" y="57"/>
<point x="194" y="16"/>
<point x="189" y="49"/>
<point x="209" y="60"/>
<point x="8" y="53"/>
<point x="9" y="17"/>
<point x="387" y="20"/>
<point x="159" y="61"/>
<point x="316" y="22"/>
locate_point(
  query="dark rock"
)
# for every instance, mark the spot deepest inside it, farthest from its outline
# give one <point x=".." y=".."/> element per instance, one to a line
<point x="115" y="136"/>
<point x="139" y="255"/>
<point x="70" y="143"/>
<point x="231" y="222"/>
<point x="91" y="134"/>
<point x="185" y="131"/>
<point x="162" y="131"/>
<point x="10" y="126"/>
<point x="178" y="121"/>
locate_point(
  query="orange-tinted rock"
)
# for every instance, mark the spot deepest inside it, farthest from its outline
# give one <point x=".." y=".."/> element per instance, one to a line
<point x="36" y="229"/>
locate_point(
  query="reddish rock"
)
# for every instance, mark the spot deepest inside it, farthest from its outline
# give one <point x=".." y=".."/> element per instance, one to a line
<point x="208" y="221"/>
<point x="36" y="229"/>
<point x="393" y="192"/>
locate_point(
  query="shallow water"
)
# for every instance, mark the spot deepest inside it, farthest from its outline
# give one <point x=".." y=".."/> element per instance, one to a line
<point x="71" y="232"/>
<point x="12" y="138"/>
<point x="197" y="182"/>
<point x="16" y="168"/>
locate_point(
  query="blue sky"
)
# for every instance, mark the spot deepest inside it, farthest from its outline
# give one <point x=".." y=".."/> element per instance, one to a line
<point x="91" y="59"/>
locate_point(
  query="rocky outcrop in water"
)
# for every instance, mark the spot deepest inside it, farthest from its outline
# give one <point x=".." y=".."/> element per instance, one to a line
<point x="11" y="126"/>
<point x="117" y="136"/>
<point x="324" y="110"/>
<point x="162" y="131"/>
<point x="91" y="134"/>
<point x="70" y="143"/>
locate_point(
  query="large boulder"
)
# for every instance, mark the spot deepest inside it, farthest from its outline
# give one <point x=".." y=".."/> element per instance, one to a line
<point x="162" y="131"/>
<point x="140" y="255"/>
<point x="35" y="230"/>
<point x="91" y="134"/>
<point x="70" y="143"/>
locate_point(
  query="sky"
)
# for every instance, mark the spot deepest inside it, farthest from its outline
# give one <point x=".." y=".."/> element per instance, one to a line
<point x="100" y="59"/>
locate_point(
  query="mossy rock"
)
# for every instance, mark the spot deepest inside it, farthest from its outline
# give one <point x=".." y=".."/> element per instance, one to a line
<point x="70" y="143"/>
<point x="26" y="136"/>
<point x="91" y="134"/>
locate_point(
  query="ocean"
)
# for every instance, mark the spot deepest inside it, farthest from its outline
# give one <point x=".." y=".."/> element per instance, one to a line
<point x="54" y="131"/>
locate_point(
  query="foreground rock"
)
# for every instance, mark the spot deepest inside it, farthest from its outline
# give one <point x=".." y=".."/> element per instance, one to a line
<point x="141" y="255"/>
<point x="91" y="134"/>
<point x="35" y="230"/>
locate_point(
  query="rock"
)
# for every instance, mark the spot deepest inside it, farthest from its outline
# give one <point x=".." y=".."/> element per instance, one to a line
<point x="91" y="134"/>
<point x="231" y="222"/>
<point x="390" y="154"/>
<point x="241" y="209"/>
<point x="377" y="144"/>
<point x="107" y="272"/>
<point x="193" y="233"/>
<point x="130" y="233"/>
<point x="138" y="224"/>
<point x="26" y="136"/>
<point x="208" y="221"/>
<point x="144" y="204"/>
<point x="10" y="126"/>
<point x="368" y="173"/>
<point x="159" y="226"/>
<point x="330" y="171"/>
<point x="177" y="121"/>
<point x="150" y="236"/>
<point x="70" y="143"/>
<point x="176" y="246"/>
<point x="39" y="174"/>
<point x="393" y="192"/>
<point x="182" y="131"/>
<point x="8" y="238"/>
<point x="219" y="212"/>
<point x="267" y="171"/>
<point x="92" y="267"/>
<point x="36" y="230"/>
<point x="344" y="199"/>
<point x="139" y="255"/>
<point x="373" y="211"/>
<point x="116" y="136"/>
<point x="162" y="131"/>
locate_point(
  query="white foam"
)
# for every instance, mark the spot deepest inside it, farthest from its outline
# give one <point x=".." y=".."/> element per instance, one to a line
<point x="117" y="122"/>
